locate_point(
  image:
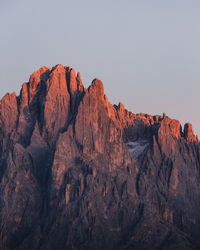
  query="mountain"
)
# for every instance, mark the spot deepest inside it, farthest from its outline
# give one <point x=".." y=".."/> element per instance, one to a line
<point x="77" y="172"/>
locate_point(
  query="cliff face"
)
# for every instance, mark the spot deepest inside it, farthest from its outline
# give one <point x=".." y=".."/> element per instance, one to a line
<point x="79" y="173"/>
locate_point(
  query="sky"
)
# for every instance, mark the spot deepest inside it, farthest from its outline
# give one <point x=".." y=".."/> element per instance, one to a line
<point x="146" y="52"/>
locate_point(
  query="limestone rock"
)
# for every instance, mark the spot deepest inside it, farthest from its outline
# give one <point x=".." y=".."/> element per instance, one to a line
<point x="188" y="133"/>
<point x="77" y="172"/>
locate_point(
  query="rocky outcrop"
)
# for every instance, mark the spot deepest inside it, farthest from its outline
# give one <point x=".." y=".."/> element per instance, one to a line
<point x="77" y="172"/>
<point x="189" y="134"/>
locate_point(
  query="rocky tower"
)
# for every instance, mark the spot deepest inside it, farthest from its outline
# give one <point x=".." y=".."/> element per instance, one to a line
<point x="79" y="173"/>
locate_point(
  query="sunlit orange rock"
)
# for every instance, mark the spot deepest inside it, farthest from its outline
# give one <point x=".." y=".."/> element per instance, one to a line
<point x="188" y="132"/>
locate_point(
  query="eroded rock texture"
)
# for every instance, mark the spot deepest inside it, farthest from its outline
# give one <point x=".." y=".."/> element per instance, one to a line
<point x="79" y="173"/>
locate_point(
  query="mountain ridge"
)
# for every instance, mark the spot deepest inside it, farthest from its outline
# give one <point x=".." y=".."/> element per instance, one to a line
<point x="44" y="71"/>
<point x="76" y="168"/>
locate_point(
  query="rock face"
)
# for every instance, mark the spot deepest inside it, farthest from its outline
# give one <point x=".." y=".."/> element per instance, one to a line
<point x="79" y="173"/>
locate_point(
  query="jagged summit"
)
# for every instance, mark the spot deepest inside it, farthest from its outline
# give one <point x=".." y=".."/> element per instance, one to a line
<point x="77" y="172"/>
<point x="64" y="78"/>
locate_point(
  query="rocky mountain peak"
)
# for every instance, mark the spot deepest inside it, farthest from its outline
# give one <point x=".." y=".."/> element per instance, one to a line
<point x="97" y="88"/>
<point x="120" y="107"/>
<point x="189" y="133"/>
<point x="76" y="168"/>
<point x="170" y="127"/>
<point x="36" y="77"/>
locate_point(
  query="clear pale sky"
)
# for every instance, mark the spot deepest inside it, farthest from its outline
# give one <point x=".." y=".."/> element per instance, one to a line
<point x="146" y="52"/>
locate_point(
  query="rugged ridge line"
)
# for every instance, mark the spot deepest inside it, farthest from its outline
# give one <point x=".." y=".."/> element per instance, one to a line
<point x="77" y="172"/>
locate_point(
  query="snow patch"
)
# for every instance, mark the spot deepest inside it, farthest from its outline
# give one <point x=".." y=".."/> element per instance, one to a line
<point x="136" y="148"/>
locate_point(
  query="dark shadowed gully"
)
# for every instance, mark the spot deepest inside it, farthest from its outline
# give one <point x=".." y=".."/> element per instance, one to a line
<point x="79" y="173"/>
